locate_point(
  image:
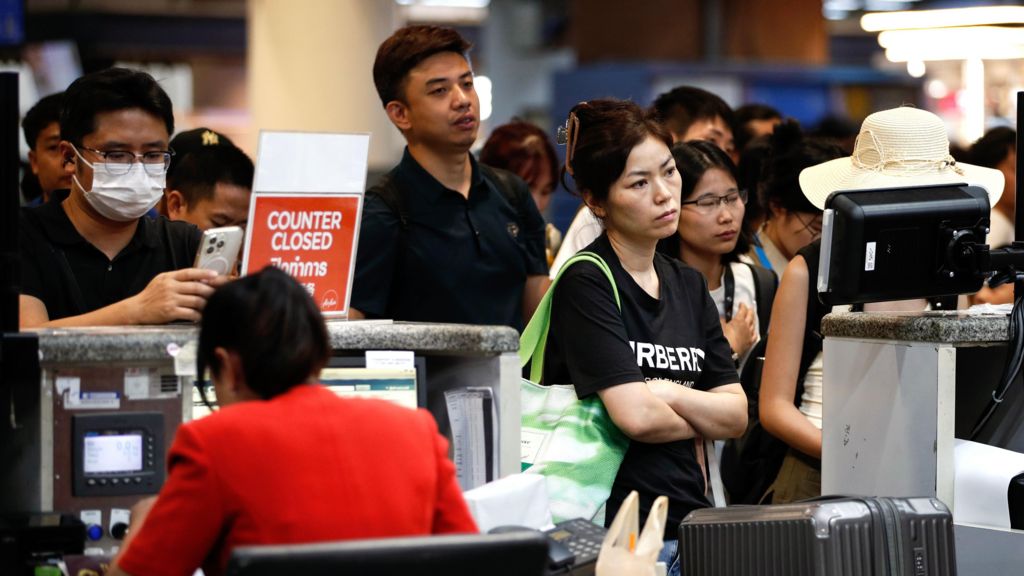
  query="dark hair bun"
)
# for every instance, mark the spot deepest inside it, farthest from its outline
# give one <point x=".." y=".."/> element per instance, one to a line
<point x="786" y="136"/>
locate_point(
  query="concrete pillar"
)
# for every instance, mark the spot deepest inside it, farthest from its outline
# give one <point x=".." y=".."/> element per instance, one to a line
<point x="520" y="68"/>
<point x="310" y="68"/>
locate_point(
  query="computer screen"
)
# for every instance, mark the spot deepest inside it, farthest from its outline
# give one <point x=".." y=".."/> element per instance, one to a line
<point x="348" y="376"/>
<point x="112" y="453"/>
<point x="512" y="554"/>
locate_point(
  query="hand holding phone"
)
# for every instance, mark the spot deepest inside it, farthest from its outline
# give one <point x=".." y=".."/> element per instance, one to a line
<point x="219" y="248"/>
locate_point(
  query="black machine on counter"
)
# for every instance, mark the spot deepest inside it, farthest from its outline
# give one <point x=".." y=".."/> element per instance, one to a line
<point x="914" y="242"/>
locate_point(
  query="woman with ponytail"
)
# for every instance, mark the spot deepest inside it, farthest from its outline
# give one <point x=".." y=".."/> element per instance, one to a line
<point x="792" y="222"/>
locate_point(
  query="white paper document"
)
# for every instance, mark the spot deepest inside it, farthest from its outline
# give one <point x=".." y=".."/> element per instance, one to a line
<point x="473" y="416"/>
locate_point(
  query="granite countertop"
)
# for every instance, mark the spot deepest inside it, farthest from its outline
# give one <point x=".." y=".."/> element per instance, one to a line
<point x="951" y="327"/>
<point x="147" y="343"/>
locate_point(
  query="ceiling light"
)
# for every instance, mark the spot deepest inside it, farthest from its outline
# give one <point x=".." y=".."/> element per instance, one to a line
<point x="937" y="89"/>
<point x="446" y="3"/>
<point x="942" y="37"/>
<point x="485" y="93"/>
<point x="985" y="42"/>
<point x="975" y="16"/>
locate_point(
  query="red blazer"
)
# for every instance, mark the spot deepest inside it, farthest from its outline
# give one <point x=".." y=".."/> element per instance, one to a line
<point x="305" y="466"/>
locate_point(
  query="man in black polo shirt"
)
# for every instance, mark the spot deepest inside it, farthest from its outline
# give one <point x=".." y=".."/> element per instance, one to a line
<point x="443" y="239"/>
<point x="90" y="256"/>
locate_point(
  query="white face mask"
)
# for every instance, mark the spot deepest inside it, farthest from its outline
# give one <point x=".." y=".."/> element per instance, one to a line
<point x="122" y="197"/>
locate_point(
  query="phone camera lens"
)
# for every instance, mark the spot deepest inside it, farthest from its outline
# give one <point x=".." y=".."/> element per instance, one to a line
<point x="209" y="250"/>
<point x="213" y="240"/>
<point x="220" y="244"/>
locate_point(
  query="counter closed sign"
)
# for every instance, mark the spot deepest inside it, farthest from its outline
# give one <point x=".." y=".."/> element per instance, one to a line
<point x="312" y="237"/>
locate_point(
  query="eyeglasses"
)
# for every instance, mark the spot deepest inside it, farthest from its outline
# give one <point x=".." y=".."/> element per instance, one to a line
<point x="813" y="227"/>
<point x="120" y="162"/>
<point x="708" y="203"/>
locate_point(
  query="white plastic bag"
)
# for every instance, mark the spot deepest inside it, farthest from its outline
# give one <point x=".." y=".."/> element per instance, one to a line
<point x="625" y="552"/>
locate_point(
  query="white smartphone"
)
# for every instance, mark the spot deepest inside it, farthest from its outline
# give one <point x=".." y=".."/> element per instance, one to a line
<point x="218" y="249"/>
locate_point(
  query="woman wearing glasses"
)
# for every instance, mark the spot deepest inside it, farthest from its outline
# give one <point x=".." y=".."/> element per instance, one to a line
<point x="660" y="364"/>
<point x="711" y="239"/>
<point x="791" y="221"/>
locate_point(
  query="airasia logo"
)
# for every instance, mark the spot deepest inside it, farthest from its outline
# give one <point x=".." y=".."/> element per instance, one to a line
<point x="330" y="300"/>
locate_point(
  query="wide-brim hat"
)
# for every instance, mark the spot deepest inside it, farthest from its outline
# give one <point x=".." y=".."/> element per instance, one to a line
<point x="895" y="149"/>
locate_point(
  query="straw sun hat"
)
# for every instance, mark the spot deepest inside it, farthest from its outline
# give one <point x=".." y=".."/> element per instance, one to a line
<point x="897" y="148"/>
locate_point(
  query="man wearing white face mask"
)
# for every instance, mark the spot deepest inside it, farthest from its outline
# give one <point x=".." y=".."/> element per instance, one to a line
<point x="90" y="257"/>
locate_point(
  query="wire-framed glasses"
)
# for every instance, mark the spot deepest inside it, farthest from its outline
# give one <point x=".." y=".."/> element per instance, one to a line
<point x="120" y="162"/>
<point x="708" y="203"/>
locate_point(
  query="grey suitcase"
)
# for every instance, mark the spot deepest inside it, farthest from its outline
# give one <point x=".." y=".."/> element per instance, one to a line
<point x="823" y="537"/>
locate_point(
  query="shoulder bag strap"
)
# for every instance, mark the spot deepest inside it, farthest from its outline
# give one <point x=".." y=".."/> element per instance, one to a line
<point x="535" y="335"/>
<point x="729" y="283"/>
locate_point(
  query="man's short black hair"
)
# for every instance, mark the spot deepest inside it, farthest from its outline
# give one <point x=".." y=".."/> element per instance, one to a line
<point x="992" y="148"/>
<point x="197" y="174"/>
<point x="404" y="50"/>
<point x="680" y="107"/>
<point x="748" y="113"/>
<point x="38" y="117"/>
<point x="108" y="91"/>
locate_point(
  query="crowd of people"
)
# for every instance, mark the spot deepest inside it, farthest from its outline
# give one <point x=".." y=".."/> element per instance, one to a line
<point x="704" y="215"/>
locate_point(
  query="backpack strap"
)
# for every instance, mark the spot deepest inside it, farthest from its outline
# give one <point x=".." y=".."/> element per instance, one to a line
<point x="387" y="190"/>
<point x="766" y="283"/>
<point x="512" y="187"/>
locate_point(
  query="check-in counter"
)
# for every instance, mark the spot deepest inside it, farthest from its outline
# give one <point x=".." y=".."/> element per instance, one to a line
<point x="898" y="390"/>
<point x="92" y="438"/>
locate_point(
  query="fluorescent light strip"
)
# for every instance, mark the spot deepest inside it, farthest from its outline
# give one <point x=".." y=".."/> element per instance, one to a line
<point x="985" y="42"/>
<point x="931" y="54"/>
<point x="974" y="16"/>
<point x="445" y="3"/>
<point x="943" y="37"/>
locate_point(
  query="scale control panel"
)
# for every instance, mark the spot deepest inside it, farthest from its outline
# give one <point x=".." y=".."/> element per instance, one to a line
<point x="117" y="454"/>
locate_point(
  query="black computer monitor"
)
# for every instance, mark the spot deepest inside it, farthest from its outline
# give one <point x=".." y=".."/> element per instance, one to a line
<point x="900" y="243"/>
<point x="511" y="554"/>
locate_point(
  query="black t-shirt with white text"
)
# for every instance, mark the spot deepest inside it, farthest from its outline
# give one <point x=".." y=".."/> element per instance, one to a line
<point x="677" y="338"/>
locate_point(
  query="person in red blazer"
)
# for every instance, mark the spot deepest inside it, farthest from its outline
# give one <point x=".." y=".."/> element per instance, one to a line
<point x="284" y="460"/>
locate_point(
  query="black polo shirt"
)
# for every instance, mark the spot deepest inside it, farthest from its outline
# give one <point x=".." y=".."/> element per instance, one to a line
<point x="457" y="259"/>
<point x="72" y="277"/>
